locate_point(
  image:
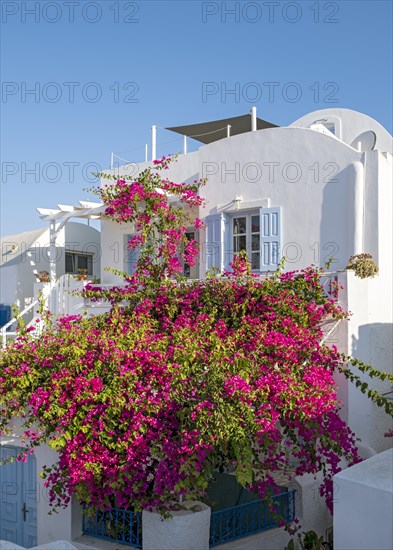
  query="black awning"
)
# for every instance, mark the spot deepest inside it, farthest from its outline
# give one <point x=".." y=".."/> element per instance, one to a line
<point x="208" y="132"/>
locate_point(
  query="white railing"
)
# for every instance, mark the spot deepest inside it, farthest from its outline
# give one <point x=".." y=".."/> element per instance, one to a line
<point x="5" y="333"/>
<point x="101" y="306"/>
<point x="329" y="282"/>
<point x="61" y="300"/>
<point x="64" y="299"/>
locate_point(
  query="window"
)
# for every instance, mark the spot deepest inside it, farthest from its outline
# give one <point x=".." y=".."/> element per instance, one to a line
<point x="78" y="260"/>
<point x="190" y="236"/>
<point x="331" y="127"/>
<point x="246" y="235"/>
<point x="131" y="257"/>
<point x="191" y="271"/>
<point x="257" y="232"/>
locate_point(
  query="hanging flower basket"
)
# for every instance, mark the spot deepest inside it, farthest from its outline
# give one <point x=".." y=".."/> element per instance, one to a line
<point x="363" y="265"/>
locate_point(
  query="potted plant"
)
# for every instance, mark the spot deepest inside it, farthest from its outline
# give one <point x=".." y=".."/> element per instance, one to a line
<point x="82" y="274"/>
<point x="43" y="276"/>
<point x="363" y="265"/>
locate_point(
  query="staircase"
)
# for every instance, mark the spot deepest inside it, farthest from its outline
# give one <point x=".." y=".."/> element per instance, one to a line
<point x="8" y="331"/>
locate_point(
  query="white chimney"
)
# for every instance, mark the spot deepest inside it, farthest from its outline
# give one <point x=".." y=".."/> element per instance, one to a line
<point x="253" y="119"/>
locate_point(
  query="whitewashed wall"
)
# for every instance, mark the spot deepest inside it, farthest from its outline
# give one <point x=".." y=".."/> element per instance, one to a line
<point x="369" y="331"/>
<point x="370" y="339"/>
<point x="312" y="178"/>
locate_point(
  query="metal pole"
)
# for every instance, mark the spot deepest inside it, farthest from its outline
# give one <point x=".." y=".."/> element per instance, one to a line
<point x="253" y="119"/>
<point x="146" y="152"/>
<point x="153" y="142"/>
<point x="111" y="161"/>
<point x="228" y="131"/>
<point x="185" y="144"/>
<point x="52" y="253"/>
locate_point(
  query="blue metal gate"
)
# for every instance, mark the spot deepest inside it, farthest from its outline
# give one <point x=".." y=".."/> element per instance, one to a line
<point x="122" y="526"/>
<point x="250" y="518"/>
<point x="125" y="526"/>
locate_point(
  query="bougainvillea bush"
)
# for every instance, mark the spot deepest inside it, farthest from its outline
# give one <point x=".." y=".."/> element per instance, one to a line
<point x="159" y="211"/>
<point x="145" y="402"/>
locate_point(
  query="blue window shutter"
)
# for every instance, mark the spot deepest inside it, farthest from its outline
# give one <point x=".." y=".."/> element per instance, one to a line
<point x="215" y="228"/>
<point x="270" y="238"/>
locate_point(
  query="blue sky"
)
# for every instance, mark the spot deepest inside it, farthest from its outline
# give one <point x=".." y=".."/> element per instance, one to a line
<point x="104" y="72"/>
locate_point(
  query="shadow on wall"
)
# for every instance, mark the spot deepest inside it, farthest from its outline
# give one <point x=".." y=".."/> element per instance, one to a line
<point x="191" y="179"/>
<point x="337" y="217"/>
<point x="30" y="262"/>
<point x="374" y="347"/>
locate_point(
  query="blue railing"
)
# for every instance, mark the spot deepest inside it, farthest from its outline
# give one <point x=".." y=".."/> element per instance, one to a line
<point x="247" y="519"/>
<point x="125" y="526"/>
<point x="121" y="526"/>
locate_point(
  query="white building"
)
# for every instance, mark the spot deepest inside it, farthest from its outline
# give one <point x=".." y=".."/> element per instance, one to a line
<point x="317" y="189"/>
<point x="24" y="255"/>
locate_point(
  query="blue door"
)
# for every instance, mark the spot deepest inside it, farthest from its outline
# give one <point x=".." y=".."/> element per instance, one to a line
<point x="18" y="499"/>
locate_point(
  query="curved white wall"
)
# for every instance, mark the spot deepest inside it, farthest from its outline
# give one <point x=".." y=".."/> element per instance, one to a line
<point x="352" y="124"/>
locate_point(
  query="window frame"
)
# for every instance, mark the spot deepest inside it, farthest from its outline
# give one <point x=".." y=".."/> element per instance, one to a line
<point x="330" y="125"/>
<point x="75" y="255"/>
<point x="248" y="215"/>
<point x="191" y="235"/>
<point x="270" y="241"/>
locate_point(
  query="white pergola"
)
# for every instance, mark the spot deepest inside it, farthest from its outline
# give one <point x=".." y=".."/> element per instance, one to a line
<point x="58" y="217"/>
